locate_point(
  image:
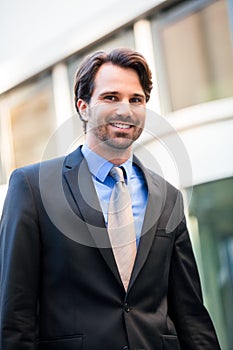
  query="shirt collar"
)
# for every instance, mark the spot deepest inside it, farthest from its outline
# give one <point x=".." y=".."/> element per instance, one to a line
<point x="100" y="167"/>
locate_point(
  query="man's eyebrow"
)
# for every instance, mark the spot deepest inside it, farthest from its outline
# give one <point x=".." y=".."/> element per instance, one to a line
<point x="109" y="93"/>
<point x="116" y="93"/>
<point x="139" y="95"/>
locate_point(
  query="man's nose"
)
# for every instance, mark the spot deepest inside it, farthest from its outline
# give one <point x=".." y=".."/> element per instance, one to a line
<point x="124" y="109"/>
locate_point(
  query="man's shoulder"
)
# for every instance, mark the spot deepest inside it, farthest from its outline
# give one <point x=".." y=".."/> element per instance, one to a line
<point x="48" y="165"/>
<point x="36" y="167"/>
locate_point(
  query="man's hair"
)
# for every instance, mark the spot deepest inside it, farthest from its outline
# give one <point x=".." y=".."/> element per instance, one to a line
<point x="122" y="57"/>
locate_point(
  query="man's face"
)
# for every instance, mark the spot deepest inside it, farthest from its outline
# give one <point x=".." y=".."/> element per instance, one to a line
<point x="116" y="112"/>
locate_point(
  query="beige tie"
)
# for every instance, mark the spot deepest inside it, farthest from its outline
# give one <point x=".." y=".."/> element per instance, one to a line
<point x="121" y="227"/>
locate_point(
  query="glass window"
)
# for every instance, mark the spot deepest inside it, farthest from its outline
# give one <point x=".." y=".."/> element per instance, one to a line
<point x="31" y="113"/>
<point x="210" y="219"/>
<point x="197" y="55"/>
<point x="123" y="38"/>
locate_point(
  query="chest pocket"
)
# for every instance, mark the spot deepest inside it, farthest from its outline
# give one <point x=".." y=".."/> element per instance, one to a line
<point x="170" y="342"/>
<point x="65" y="343"/>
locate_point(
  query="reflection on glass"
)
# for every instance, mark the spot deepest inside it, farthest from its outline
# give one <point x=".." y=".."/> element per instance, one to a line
<point x="198" y="56"/>
<point x="32" y="116"/>
<point x="212" y="209"/>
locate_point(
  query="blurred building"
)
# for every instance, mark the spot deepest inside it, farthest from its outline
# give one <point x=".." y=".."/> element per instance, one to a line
<point x="189" y="47"/>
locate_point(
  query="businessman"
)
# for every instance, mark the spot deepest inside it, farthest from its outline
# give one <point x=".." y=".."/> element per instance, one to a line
<point x="94" y="248"/>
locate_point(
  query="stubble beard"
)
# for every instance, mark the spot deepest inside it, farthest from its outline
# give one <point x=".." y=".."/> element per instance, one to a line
<point x="120" y="141"/>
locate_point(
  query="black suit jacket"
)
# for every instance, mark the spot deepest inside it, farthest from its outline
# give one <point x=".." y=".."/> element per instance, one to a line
<point x="60" y="287"/>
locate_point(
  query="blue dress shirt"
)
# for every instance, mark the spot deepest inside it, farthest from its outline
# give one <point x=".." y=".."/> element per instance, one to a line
<point x="104" y="183"/>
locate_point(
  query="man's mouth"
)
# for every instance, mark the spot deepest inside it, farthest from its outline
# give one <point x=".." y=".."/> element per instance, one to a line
<point x="121" y="126"/>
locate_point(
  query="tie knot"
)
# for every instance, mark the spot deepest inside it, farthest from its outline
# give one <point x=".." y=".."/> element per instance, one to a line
<point x="117" y="174"/>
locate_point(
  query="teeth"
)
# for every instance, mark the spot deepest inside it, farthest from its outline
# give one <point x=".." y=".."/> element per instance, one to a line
<point x="121" y="126"/>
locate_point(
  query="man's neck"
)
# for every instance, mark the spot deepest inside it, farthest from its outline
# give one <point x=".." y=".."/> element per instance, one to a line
<point x="115" y="156"/>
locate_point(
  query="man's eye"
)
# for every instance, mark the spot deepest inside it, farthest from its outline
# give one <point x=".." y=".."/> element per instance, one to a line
<point x="136" y="100"/>
<point x="110" y="98"/>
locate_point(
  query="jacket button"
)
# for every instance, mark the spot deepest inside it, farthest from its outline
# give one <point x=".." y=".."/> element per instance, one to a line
<point x="127" y="309"/>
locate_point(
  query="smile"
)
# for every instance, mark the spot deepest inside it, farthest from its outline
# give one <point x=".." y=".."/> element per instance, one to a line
<point x="121" y="126"/>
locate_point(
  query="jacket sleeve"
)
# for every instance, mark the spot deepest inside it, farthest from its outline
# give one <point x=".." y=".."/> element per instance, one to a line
<point x="192" y="321"/>
<point x="19" y="266"/>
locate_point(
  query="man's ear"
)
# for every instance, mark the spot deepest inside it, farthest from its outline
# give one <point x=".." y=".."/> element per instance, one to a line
<point x="83" y="109"/>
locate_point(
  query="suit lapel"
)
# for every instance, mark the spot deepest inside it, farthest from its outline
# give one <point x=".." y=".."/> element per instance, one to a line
<point x="79" y="181"/>
<point x="156" y="199"/>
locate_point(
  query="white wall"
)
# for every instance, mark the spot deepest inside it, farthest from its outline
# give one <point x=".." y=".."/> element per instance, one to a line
<point x="190" y="146"/>
<point x="36" y="34"/>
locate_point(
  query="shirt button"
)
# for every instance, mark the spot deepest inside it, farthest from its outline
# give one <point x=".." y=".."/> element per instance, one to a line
<point x="127" y="308"/>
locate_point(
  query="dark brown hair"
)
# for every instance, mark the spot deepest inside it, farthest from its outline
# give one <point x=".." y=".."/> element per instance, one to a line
<point x="123" y="57"/>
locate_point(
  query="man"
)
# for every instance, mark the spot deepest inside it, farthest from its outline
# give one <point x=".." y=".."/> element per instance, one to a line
<point x="63" y="283"/>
